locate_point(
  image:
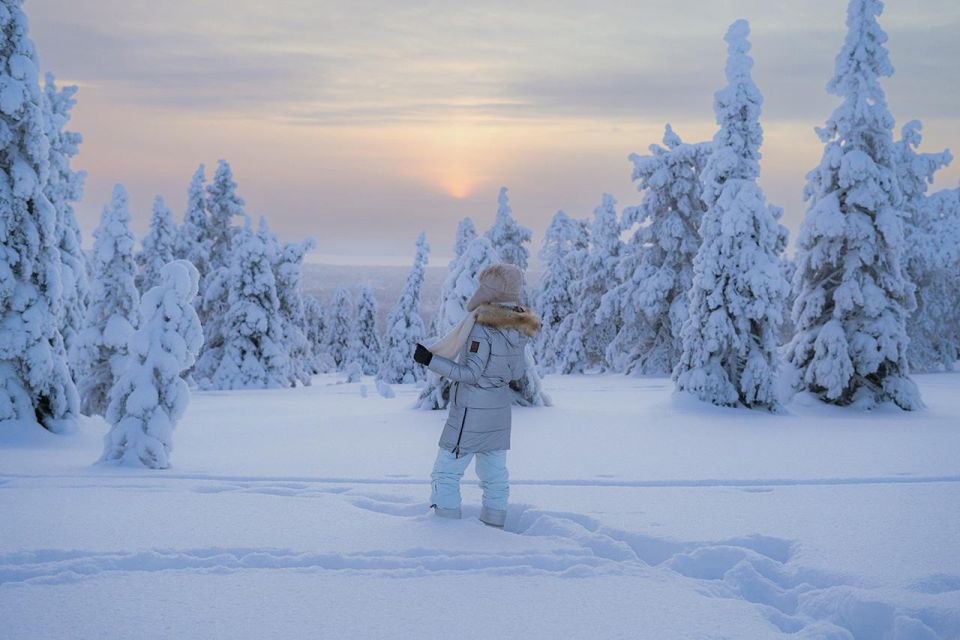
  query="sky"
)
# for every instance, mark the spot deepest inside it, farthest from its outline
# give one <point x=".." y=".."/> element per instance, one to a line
<point x="361" y="123"/>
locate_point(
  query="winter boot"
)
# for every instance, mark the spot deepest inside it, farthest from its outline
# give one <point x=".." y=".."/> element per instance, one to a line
<point x="493" y="517"/>
<point x="452" y="514"/>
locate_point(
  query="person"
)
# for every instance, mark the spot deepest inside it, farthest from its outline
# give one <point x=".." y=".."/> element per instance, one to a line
<point x="481" y="357"/>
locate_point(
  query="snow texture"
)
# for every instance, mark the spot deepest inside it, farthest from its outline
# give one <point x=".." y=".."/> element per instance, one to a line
<point x="112" y="312"/>
<point x="404" y="326"/>
<point x="193" y="241"/>
<point x="150" y="396"/>
<point x="295" y="342"/>
<point x="598" y="278"/>
<point x="736" y="302"/>
<point x="852" y="292"/>
<point x="35" y="381"/>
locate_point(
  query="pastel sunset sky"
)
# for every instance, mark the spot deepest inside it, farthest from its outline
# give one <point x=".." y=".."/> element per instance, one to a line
<point x="362" y="123"/>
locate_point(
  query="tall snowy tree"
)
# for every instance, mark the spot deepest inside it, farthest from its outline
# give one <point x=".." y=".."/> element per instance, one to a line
<point x="507" y="237"/>
<point x="35" y="381"/>
<point x="404" y="325"/>
<point x="253" y="356"/>
<point x="288" y="270"/>
<point x="340" y="327"/>
<point x="563" y="350"/>
<point x="466" y="233"/>
<point x="564" y="250"/>
<point x="149" y="396"/>
<point x="598" y="277"/>
<point x="736" y="306"/>
<point x="112" y="313"/>
<point x="223" y="205"/>
<point x="932" y="251"/>
<point x="655" y="271"/>
<point x="193" y="240"/>
<point x="159" y="246"/>
<point x="63" y="188"/>
<point x="853" y="296"/>
<point x="365" y="348"/>
<point x="459" y="285"/>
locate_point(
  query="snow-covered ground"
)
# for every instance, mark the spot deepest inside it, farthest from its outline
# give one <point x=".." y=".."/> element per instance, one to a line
<point x="303" y="513"/>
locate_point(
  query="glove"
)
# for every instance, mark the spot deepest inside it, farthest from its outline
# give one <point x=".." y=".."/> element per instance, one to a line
<point x="422" y="355"/>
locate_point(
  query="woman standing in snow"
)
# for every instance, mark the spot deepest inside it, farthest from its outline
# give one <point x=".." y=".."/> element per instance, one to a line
<point x="489" y="349"/>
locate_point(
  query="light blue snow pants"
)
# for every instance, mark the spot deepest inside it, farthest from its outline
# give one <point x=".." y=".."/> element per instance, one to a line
<point x="491" y="469"/>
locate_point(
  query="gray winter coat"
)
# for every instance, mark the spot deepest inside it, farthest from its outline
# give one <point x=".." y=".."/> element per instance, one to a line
<point x="480" y="396"/>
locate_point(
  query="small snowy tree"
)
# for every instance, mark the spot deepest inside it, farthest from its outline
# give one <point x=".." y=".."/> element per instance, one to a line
<point x="253" y="356"/>
<point x="598" y="276"/>
<point x="404" y="325"/>
<point x="853" y="297"/>
<point x="223" y="205"/>
<point x="35" y="381"/>
<point x="655" y="271"/>
<point x="365" y="347"/>
<point x="149" y="397"/>
<point x="316" y="323"/>
<point x="507" y="237"/>
<point x="563" y="241"/>
<point x="340" y="327"/>
<point x="193" y="240"/>
<point x="159" y="246"/>
<point x="63" y="188"/>
<point x="932" y="251"/>
<point x="296" y="344"/>
<point x="112" y="313"/>
<point x="730" y="338"/>
<point x="458" y="287"/>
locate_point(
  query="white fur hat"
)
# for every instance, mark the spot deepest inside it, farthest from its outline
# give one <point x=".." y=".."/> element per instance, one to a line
<point x="498" y="283"/>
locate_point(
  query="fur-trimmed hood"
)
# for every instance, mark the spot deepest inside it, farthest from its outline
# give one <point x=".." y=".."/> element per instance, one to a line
<point x="516" y="317"/>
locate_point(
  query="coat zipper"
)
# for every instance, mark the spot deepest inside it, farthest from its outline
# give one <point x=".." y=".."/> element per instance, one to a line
<point x="456" y="449"/>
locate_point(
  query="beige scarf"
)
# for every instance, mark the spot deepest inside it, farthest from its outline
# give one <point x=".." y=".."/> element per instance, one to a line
<point x="450" y="345"/>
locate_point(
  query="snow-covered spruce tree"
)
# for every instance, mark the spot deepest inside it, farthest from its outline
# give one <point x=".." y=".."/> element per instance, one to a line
<point x="158" y="246"/>
<point x="563" y="342"/>
<point x="150" y="396"/>
<point x="35" y="381"/>
<point x="931" y="255"/>
<point x="507" y="237"/>
<point x="63" y="188"/>
<point x="112" y="312"/>
<point x="339" y="328"/>
<point x="853" y="296"/>
<point x="466" y="233"/>
<point x="193" y="239"/>
<point x="736" y="303"/>
<point x="655" y="271"/>
<point x="404" y="325"/>
<point x="253" y="356"/>
<point x="936" y="325"/>
<point x="223" y="205"/>
<point x="598" y="278"/>
<point x="459" y="285"/>
<point x="296" y="344"/>
<point x="365" y="348"/>
<point x="316" y="322"/>
<point x="555" y="299"/>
